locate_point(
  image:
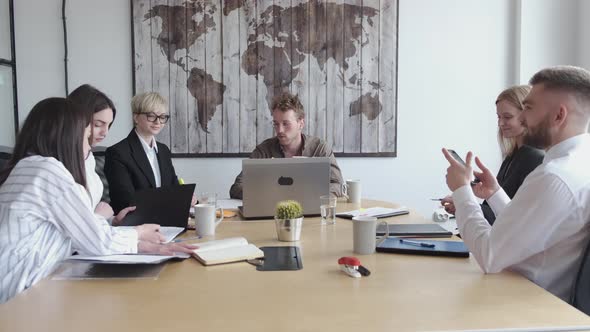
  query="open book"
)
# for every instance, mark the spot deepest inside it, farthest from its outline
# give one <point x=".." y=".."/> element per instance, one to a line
<point x="225" y="251"/>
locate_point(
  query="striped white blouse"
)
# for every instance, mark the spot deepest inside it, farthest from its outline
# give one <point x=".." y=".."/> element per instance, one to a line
<point x="44" y="217"/>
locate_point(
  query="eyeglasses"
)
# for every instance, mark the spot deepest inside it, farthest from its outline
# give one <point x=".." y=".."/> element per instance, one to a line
<point x="153" y="117"/>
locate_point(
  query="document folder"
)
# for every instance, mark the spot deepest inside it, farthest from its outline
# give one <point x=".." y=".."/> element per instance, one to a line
<point x="423" y="247"/>
<point x="414" y="230"/>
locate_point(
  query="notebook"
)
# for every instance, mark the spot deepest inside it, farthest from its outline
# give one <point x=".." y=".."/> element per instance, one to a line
<point x="165" y="206"/>
<point x="379" y="212"/>
<point x="268" y="181"/>
<point x="415" y="230"/>
<point x="226" y="251"/>
<point x="423" y="247"/>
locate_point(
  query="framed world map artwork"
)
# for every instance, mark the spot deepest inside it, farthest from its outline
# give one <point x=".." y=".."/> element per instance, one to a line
<point x="220" y="63"/>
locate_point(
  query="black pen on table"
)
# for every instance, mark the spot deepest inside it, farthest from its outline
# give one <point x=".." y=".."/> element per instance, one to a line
<point x="417" y="244"/>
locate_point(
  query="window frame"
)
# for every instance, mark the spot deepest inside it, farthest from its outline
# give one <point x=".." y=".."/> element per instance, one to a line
<point x="12" y="64"/>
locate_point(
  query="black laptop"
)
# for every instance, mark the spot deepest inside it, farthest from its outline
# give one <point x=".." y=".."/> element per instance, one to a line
<point x="165" y="206"/>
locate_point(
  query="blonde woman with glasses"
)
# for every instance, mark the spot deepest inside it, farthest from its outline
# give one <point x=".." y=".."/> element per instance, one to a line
<point x="138" y="161"/>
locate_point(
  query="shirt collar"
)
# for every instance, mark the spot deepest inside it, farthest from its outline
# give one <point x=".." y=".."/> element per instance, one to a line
<point x="564" y="147"/>
<point x="303" y="137"/>
<point x="147" y="146"/>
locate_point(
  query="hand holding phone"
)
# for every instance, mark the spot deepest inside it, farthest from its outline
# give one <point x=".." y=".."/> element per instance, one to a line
<point x="459" y="159"/>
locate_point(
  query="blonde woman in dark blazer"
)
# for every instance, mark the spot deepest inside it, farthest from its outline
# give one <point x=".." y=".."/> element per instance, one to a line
<point x="138" y="161"/>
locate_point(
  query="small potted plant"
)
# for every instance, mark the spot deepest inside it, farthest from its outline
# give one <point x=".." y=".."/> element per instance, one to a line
<point x="289" y="220"/>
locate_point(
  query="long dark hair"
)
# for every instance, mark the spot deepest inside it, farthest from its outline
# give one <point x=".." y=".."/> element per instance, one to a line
<point x="54" y="128"/>
<point x="92" y="99"/>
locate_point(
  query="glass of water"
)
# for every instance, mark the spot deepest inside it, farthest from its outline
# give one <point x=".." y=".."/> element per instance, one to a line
<point x="328" y="209"/>
<point x="207" y="198"/>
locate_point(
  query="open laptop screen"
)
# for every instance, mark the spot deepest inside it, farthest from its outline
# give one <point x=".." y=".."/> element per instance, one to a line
<point x="166" y="206"/>
<point x="268" y="181"/>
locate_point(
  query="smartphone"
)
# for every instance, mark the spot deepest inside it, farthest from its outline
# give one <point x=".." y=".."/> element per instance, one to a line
<point x="459" y="159"/>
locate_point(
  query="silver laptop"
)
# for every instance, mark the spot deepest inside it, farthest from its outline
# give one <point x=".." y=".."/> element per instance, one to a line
<point x="268" y="181"/>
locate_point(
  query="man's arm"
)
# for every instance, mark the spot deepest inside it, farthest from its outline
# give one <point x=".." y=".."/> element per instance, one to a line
<point x="532" y="222"/>
<point x="336" y="180"/>
<point x="236" y="189"/>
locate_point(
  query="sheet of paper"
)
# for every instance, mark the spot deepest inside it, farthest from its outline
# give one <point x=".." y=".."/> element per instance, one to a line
<point x="374" y="211"/>
<point x="124" y="259"/>
<point x="169" y="232"/>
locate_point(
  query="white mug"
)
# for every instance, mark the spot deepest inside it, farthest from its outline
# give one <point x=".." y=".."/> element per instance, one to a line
<point x="364" y="231"/>
<point x="353" y="191"/>
<point x="205" y="222"/>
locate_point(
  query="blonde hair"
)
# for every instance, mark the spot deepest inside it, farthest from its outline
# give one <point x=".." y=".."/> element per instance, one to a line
<point x="287" y="101"/>
<point x="515" y="96"/>
<point x="148" y="102"/>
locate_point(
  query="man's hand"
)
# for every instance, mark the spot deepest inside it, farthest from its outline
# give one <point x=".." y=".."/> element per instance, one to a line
<point x="149" y="233"/>
<point x="165" y="249"/>
<point x="488" y="185"/>
<point x="119" y="217"/>
<point x="458" y="174"/>
<point x="104" y="209"/>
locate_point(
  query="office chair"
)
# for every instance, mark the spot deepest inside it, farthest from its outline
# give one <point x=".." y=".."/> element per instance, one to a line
<point x="99" y="156"/>
<point x="5" y="154"/>
<point x="581" y="292"/>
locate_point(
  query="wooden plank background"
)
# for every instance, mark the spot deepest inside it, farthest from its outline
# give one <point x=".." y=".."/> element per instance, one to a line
<point x="349" y="94"/>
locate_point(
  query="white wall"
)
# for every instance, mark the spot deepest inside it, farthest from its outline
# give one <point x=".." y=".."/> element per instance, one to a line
<point x="454" y="58"/>
<point x="584" y="30"/>
<point x="550" y="34"/>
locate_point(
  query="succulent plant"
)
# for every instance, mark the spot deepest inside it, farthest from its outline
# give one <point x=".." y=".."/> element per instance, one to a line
<point x="289" y="210"/>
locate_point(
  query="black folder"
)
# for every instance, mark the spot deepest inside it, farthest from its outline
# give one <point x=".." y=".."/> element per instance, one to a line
<point x="423" y="247"/>
<point x="415" y="230"/>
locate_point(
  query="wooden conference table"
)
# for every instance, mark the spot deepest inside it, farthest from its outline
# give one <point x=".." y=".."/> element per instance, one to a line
<point x="403" y="293"/>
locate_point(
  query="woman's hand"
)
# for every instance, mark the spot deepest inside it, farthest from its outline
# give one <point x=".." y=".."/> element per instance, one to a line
<point x="121" y="215"/>
<point x="165" y="249"/>
<point x="149" y="233"/>
<point x="104" y="209"/>
<point x="448" y="204"/>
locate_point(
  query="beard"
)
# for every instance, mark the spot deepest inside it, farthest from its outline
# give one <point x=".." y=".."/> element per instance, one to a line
<point x="538" y="137"/>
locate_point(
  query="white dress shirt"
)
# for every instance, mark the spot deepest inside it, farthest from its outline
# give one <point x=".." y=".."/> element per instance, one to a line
<point x="44" y="217"/>
<point x="93" y="182"/>
<point x="151" y="151"/>
<point x="543" y="231"/>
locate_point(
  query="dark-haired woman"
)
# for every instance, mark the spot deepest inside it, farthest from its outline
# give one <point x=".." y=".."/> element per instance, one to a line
<point x="45" y="209"/>
<point x="103" y="113"/>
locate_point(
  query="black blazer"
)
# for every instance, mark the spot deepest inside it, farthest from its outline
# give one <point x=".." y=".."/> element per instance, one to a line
<point x="512" y="173"/>
<point x="127" y="169"/>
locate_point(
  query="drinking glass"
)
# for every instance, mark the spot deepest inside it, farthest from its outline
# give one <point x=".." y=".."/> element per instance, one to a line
<point x="328" y="209"/>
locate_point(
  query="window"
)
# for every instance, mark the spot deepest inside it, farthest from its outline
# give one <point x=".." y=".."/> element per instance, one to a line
<point x="8" y="101"/>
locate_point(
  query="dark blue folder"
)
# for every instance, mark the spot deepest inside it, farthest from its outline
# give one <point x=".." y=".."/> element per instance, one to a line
<point x="423" y="247"/>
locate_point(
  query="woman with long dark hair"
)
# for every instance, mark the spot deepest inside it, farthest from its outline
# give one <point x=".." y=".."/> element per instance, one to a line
<point x="45" y="208"/>
<point x="103" y="112"/>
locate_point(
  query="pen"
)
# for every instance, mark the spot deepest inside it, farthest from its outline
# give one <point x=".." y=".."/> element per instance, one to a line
<point x="417" y="244"/>
<point x="436" y="199"/>
<point x="186" y="239"/>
